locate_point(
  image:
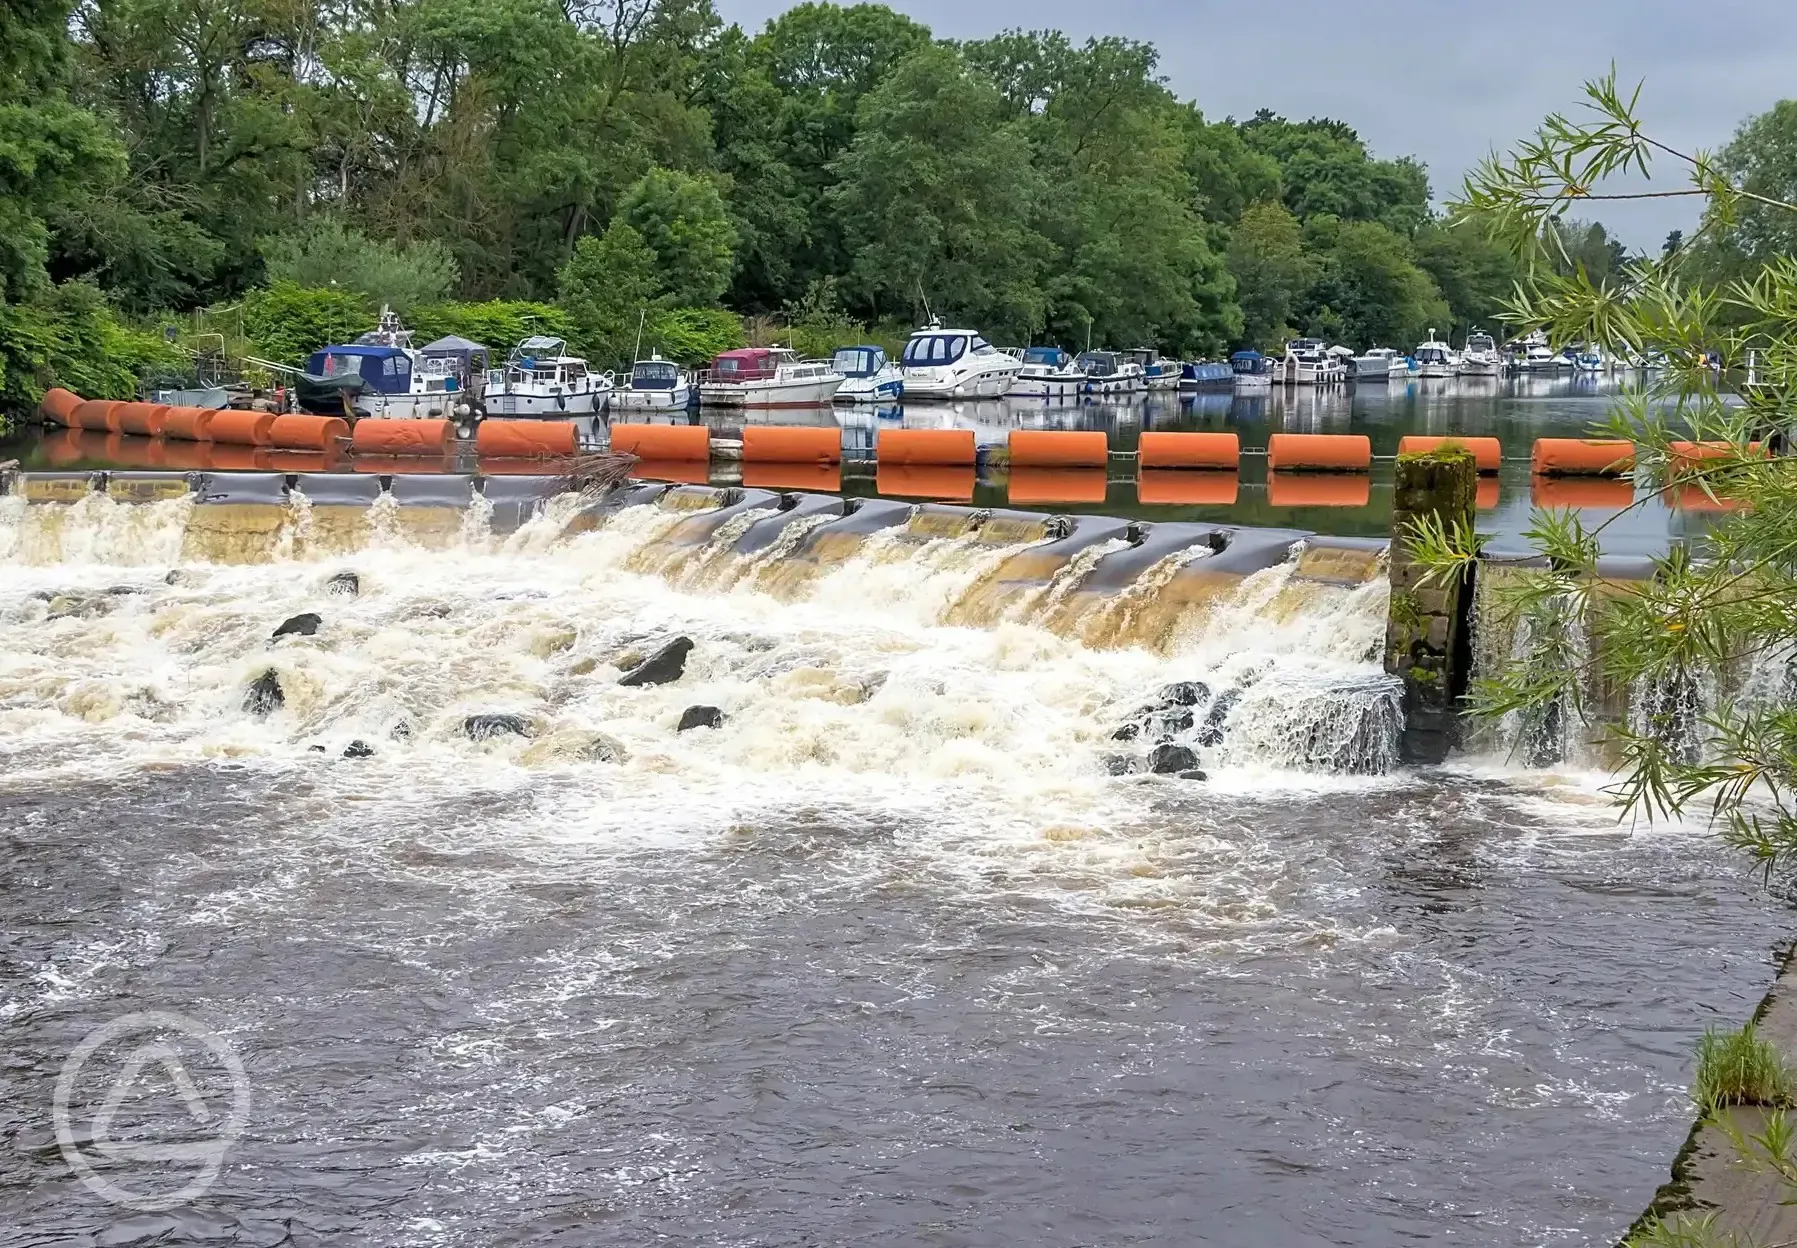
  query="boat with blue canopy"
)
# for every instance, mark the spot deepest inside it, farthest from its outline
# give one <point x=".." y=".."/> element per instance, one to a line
<point x="867" y="375"/>
<point x="1047" y="373"/>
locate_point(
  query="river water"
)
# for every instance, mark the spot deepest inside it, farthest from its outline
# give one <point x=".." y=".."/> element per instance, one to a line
<point x="888" y="958"/>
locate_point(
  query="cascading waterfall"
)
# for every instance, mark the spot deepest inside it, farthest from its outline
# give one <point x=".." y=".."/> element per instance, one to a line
<point x="919" y="650"/>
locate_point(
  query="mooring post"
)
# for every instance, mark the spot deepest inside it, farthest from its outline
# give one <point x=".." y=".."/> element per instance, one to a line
<point x="1428" y="630"/>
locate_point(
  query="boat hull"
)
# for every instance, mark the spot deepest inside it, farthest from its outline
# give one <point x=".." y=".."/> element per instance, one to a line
<point x="1027" y="387"/>
<point x="987" y="385"/>
<point x="773" y="392"/>
<point x="875" y="389"/>
<point x="1251" y="383"/>
<point x="547" y="406"/>
<point x="676" y="399"/>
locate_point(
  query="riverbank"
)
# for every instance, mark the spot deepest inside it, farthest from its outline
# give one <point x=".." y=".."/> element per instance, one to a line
<point x="1710" y="1178"/>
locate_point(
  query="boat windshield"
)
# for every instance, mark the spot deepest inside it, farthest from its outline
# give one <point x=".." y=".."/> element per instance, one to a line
<point x="930" y="349"/>
<point x="1481" y="342"/>
<point x="1249" y="364"/>
<point x="1432" y="355"/>
<point x="1098" y="363"/>
<point x="857" y="361"/>
<point x="654" y="375"/>
<point x="1051" y="357"/>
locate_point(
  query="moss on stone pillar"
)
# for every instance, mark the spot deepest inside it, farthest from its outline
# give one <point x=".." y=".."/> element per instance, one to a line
<point x="1428" y="642"/>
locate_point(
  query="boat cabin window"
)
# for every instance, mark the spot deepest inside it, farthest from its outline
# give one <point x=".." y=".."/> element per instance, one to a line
<point x="928" y="349"/>
<point x="341" y="365"/>
<point x="1098" y="363"/>
<point x="654" y="375"/>
<point x="574" y="372"/>
<point x="857" y="361"/>
<point x="1053" y="357"/>
<point x="982" y="347"/>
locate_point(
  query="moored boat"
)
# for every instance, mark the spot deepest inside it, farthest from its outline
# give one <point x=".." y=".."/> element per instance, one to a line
<point x="1480" y="358"/>
<point x="1309" y="363"/>
<point x="1157" y="374"/>
<point x="655" y="385"/>
<point x="1253" y="371"/>
<point x="1380" y="364"/>
<point x="943" y="363"/>
<point x="768" y="377"/>
<point x="867" y="375"/>
<point x="542" y="381"/>
<point x="1108" y="372"/>
<point x="1047" y="373"/>
<point x="1434" y="358"/>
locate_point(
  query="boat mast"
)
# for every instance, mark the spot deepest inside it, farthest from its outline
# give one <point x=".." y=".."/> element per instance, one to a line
<point x="641" y="318"/>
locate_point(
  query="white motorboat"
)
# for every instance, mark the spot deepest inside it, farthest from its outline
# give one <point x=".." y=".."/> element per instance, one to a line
<point x="655" y="385"/>
<point x="540" y="379"/>
<point x="1157" y="374"/>
<point x="1434" y="358"/>
<point x="1380" y="364"/>
<point x="1108" y="372"/>
<point x="1480" y="358"/>
<point x="1047" y="373"/>
<point x="943" y="363"/>
<point x="768" y="377"/>
<point x="1253" y="371"/>
<point x="1590" y="359"/>
<point x="387" y="379"/>
<point x="867" y="376"/>
<point x="1309" y="363"/>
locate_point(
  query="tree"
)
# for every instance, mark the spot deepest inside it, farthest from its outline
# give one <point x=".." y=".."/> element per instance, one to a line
<point x="1367" y="289"/>
<point x="1327" y="171"/>
<point x="1761" y="161"/>
<point x="607" y="287"/>
<point x="939" y="187"/>
<point x="1272" y="272"/>
<point x="326" y="253"/>
<point x="682" y="220"/>
<point x="1475" y="273"/>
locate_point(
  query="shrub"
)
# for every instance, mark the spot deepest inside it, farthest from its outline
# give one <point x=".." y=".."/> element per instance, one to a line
<point x="70" y="337"/>
<point x="287" y="322"/>
<point x="498" y="324"/>
<point x="1739" y="1068"/>
<point x="330" y="255"/>
<point x="693" y="335"/>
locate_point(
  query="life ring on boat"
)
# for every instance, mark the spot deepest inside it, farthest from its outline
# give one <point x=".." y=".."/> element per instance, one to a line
<point x="561" y="401"/>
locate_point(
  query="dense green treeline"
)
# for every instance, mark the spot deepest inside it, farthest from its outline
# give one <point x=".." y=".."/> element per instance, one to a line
<point x="610" y="168"/>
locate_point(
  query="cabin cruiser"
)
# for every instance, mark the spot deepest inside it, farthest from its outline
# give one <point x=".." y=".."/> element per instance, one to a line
<point x="1157" y="374"/>
<point x="1434" y="358"/>
<point x="768" y="377"/>
<point x="540" y="379"/>
<point x="1380" y="364"/>
<point x="1309" y="363"/>
<point x="867" y="375"/>
<point x="1589" y="359"/>
<point x="1253" y="371"/>
<point x="385" y="378"/>
<point x="1047" y="373"/>
<point x="655" y="385"/>
<point x="1480" y="358"/>
<point x="956" y="364"/>
<point x="1108" y="372"/>
<point x="1197" y="374"/>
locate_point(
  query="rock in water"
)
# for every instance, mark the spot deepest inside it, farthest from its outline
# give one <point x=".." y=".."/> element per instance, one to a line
<point x="486" y="727"/>
<point x="358" y="749"/>
<point x="1185" y="693"/>
<point x="700" y="717"/>
<point x="1129" y="732"/>
<point x="264" y="695"/>
<point x="1122" y="764"/>
<point x="1212" y="732"/>
<point x="1170" y="760"/>
<point x="344" y="584"/>
<point x="402" y="731"/>
<point x="663" y="667"/>
<point x="300" y="626"/>
<point x="1194" y="774"/>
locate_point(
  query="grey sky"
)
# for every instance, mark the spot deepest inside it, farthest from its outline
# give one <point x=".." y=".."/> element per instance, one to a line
<point x="1442" y="81"/>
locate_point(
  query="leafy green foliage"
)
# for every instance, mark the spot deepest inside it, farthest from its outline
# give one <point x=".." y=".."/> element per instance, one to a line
<point x="1272" y="271"/>
<point x="69" y="337"/>
<point x="497" y="324"/>
<point x="607" y="289"/>
<point x="286" y="323"/>
<point x="328" y="254"/>
<point x="1739" y="1068"/>
<point x="682" y="220"/>
<point x="692" y="335"/>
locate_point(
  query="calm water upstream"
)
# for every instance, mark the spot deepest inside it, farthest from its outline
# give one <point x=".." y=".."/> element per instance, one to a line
<point x="888" y="958"/>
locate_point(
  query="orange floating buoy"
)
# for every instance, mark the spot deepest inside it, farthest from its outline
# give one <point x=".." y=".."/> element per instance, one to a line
<point x="1574" y="492"/>
<point x="662" y="442"/>
<point x="682" y="471"/>
<point x="1189" y="450"/>
<point x="1693" y="498"/>
<point x="826" y="478"/>
<point x="1057" y="485"/>
<point x="93" y="414"/>
<point x="240" y="428"/>
<point x="525" y="439"/>
<point x="1286" y="489"/>
<point x="1058" y="448"/>
<point x="1689" y="454"/>
<point x="57" y="404"/>
<point x="1202" y="488"/>
<point x="943" y="481"/>
<point x="1582" y="457"/>
<point x="301" y="432"/>
<point x="402" y="437"/>
<point x="189" y="423"/>
<point x="1488" y="452"/>
<point x="1319" y="452"/>
<point x="791" y="444"/>
<point x="142" y="420"/>
<point x="926" y="447"/>
<point x="1489" y="494"/>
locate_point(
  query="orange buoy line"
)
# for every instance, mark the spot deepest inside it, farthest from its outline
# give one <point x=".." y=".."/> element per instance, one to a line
<point x="1189" y="450"/>
<point x="940" y="448"/>
<point x="402" y="437"/>
<point x="1040" y="448"/>
<point x="783" y="444"/>
<point x="526" y="439"/>
<point x="1319" y="452"/>
<point x="1582" y="457"/>
<point x="653" y="442"/>
<point x="1488" y="452"/>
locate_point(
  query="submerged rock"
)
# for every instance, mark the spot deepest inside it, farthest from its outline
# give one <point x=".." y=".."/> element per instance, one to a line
<point x="344" y="584"/>
<point x="1170" y="760"/>
<point x="578" y="744"/>
<point x="665" y="666"/>
<point x="700" y="717"/>
<point x="304" y="625"/>
<point x="1194" y="774"/>
<point x="358" y="749"/>
<point x="1184" y="693"/>
<point x="402" y="731"/>
<point x="486" y="727"/>
<point x="264" y="695"/>
<point x="177" y="576"/>
<point x="1129" y="732"/>
<point x="1214" y="722"/>
<point x="1180" y="720"/>
<point x="1122" y="764"/>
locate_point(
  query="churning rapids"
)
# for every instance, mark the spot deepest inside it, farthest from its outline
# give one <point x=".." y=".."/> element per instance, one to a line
<point x="889" y="957"/>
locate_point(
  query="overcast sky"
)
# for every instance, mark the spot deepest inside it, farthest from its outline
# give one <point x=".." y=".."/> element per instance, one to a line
<point x="1443" y="80"/>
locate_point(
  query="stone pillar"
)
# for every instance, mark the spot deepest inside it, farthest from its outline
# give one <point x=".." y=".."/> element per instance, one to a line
<point x="1428" y="631"/>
